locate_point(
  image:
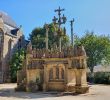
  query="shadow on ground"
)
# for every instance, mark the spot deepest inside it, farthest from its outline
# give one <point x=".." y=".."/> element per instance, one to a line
<point x="9" y="92"/>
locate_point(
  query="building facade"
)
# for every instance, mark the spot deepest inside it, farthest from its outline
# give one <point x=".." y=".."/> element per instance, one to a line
<point x="11" y="39"/>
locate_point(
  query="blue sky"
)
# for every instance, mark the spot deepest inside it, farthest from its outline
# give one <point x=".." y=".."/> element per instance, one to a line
<point x="92" y="15"/>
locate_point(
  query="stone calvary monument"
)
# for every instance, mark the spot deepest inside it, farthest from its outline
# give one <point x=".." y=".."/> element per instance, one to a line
<point x="57" y="69"/>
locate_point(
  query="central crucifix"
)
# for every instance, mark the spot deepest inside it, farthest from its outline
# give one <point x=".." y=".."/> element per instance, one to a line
<point x="60" y="20"/>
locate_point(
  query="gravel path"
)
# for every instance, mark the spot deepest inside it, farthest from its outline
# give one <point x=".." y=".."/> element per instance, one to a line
<point x="97" y="92"/>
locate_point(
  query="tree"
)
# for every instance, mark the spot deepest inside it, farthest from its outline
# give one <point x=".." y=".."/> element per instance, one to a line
<point x="37" y="37"/>
<point x="16" y="63"/>
<point x="97" y="48"/>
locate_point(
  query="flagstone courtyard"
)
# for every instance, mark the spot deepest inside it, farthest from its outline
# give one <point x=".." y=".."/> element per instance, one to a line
<point x="97" y="92"/>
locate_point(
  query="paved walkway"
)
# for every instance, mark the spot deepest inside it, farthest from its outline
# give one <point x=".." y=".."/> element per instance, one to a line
<point x="97" y="92"/>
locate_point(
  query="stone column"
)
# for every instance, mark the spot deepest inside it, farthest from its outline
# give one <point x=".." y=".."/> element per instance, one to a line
<point x="81" y="81"/>
<point x="78" y="77"/>
<point x="60" y="46"/>
<point x="83" y="77"/>
<point x="47" y="30"/>
<point x="27" y="73"/>
<point x="66" y="77"/>
<point x="45" y="79"/>
<point x="66" y="73"/>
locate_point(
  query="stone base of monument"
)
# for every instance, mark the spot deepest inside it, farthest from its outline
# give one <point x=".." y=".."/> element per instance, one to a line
<point x="77" y="89"/>
<point x="70" y="88"/>
<point x="81" y="89"/>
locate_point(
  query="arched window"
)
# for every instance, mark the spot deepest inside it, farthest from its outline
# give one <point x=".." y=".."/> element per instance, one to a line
<point x="57" y="72"/>
<point x="19" y="44"/>
<point x="1" y="36"/>
<point x="51" y="73"/>
<point x="9" y="48"/>
<point x="10" y="45"/>
<point x="1" y="47"/>
<point x="1" y="41"/>
<point x="62" y="73"/>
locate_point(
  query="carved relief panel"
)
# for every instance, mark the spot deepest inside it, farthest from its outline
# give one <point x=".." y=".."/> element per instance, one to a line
<point x="56" y="73"/>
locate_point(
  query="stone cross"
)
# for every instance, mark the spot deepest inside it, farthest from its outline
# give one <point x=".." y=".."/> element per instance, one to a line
<point x="60" y="20"/>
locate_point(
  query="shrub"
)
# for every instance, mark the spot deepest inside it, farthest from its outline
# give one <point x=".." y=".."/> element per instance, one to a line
<point x="102" y="78"/>
<point x="16" y="63"/>
<point x="99" y="78"/>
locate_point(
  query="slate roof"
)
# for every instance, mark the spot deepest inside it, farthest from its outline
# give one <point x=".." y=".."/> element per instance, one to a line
<point x="7" y="19"/>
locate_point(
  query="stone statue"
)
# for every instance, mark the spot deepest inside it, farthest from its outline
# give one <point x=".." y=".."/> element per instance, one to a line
<point x="29" y="48"/>
<point x="79" y="51"/>
<point x="34" y="52"/>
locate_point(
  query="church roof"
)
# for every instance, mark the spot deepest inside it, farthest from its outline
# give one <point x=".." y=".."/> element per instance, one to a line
<point x="7" y="19"/>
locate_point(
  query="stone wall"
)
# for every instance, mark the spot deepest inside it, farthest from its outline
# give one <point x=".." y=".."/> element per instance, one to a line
<point x="9" y="47"/>
<point x="32" y="75"/>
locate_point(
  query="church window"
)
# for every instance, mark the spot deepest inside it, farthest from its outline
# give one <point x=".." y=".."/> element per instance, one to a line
<point x="19" y="44"/>
<point x="10" y="47"/>
<point x="1" y="40"/>
<point x="1" y="37"/>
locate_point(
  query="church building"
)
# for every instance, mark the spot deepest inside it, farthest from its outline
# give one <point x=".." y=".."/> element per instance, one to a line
<point x="11" y="39"/>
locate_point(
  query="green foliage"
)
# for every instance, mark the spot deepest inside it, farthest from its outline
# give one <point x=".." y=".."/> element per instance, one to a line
<point x="99" y="78"/>
<point x="97" y="48"/>
<point x="102" y="78"/>
<point x="16" y="63"/>
<point x="37" y="37"/>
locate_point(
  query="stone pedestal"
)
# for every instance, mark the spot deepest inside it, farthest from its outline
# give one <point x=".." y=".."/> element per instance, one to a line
<point x="81" y="81"/>
<point x="77" y="82"/>
<point x="81" y="89"/>
<point x="44" y="87"/>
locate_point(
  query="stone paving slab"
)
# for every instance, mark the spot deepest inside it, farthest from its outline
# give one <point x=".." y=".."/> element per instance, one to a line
<point x="97" y="92"/>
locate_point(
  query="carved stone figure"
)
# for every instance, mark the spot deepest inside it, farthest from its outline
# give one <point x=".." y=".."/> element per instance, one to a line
<point x="34" y="52"/>
<point x="29" y="48"/>
<point x="79" y="51"/>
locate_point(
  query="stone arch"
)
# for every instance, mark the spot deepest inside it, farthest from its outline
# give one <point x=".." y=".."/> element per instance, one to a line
<point x="51" y="74"/>
<point x="1" y="47"/>
<point x="1" y="35"/>
<point x="10" y="46"/>
<point x="57" y="72"/>
<point x="62" y="73"/>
